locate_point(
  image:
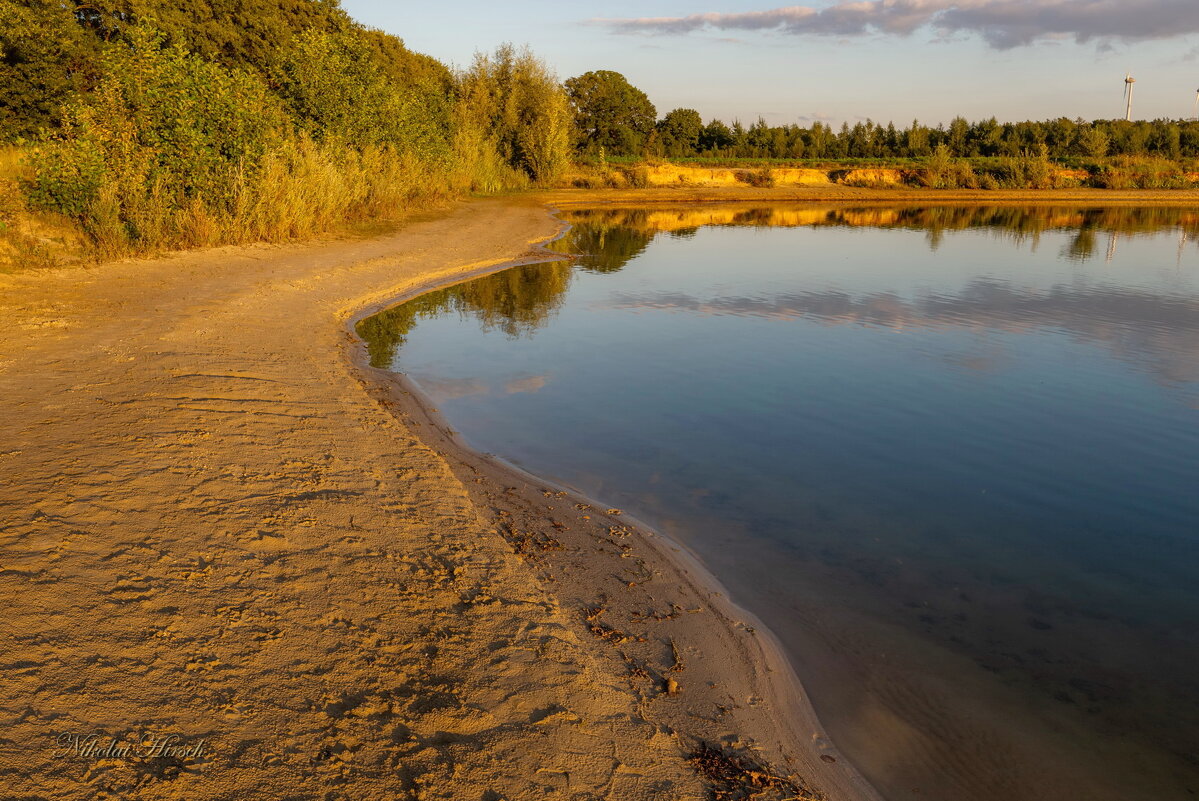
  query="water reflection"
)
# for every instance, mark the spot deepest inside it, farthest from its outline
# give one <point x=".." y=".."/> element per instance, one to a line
<point x="1158" y="333"/>
<point x="604" y="246"/>
<point x="516" y="301"/>
<point x="1020" y="220"/>
<point x="925" y="433"/>
<point x="1096" y="230"/>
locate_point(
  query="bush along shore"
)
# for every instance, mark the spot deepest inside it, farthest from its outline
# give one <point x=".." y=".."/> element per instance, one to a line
<point x="126" y="131"/>
<point x="129" y="135"/>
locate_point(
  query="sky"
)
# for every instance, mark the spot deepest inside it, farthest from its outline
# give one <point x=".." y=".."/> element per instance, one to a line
<point x="841" y="60"/>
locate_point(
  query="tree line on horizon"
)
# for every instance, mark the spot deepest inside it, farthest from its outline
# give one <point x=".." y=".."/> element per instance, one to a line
<point x="617" y="119"/>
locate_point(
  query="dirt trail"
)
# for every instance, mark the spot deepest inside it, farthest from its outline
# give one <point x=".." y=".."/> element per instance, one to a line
<point x="208" y="529"/>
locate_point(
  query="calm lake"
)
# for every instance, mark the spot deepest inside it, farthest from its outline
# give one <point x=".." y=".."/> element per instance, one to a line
<point x="949" y="455"/>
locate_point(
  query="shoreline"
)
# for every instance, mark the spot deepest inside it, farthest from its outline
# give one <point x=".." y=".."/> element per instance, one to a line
<point x="746" y="658"/>
<point x="213" y="531"/>
<point x="572" y="198"/>
<point x="74" y="254"/>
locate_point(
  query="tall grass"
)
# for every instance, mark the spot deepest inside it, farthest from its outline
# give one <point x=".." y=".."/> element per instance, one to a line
<point x="302" y="189"/>
<point x="170" y="151"/>
<point x="1142" y="172"/>
<point x="299" y="189"/>
<point x="30" y="238"/>
<point x="1030" y="169"/>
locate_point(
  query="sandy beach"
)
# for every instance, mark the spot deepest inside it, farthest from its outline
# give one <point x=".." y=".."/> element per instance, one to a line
<point x="903" y="436"/>
<point x="237" y="562"/>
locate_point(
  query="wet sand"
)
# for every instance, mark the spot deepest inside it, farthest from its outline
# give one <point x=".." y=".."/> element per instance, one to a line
<point x="218" y="524"/>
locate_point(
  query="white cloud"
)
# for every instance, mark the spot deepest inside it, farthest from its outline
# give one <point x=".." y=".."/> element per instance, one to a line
<point x="1002" y="23"/>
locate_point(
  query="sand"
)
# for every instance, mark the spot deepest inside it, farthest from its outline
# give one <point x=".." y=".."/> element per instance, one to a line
<point x="218" y="525"/>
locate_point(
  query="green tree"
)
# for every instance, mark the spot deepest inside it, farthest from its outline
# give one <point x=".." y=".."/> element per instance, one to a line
<point x="517" y="104"/>
<point x="985" y="136"/>
<point x="715" y="136"/>
<point x="958" y="137"/>
<point x="819" y="137"/>
<point x="44" y="57"/>
<point x="679" y="132"/>
<point x="916" y="141"/>
<point x="337" y="88"/>
<point x="161" y="128"/>
<point x="51" y="48"/>
<point x="233" y="33"/>
<point x="1166" y="140"/>
<point x="759" y="140"/>
<point x="737" y="133"/>
<point x="1091" y="141"/>
<point x="610" y="113"/>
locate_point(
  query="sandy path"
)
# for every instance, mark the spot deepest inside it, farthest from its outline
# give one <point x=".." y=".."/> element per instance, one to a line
<point x="208" y="529"/>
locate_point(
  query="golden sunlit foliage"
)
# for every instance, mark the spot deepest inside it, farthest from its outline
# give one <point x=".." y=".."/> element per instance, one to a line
<point x="158" y="130"/>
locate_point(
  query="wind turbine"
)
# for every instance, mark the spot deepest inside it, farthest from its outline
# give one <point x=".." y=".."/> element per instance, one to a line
<point x="1195" y="111"/>
<point x="1128" y="82"/>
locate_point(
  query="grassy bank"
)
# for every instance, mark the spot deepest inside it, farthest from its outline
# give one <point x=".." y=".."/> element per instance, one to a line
<point x="165" y="138"/>
<point x="939" y="171"/>
<point x="306" y="190"/>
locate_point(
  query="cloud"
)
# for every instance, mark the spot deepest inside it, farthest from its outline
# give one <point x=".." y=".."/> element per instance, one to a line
<point x="1001" y="23"/>
<point x="1154" y="333"/>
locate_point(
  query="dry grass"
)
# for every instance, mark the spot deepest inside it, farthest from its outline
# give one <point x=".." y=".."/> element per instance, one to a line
<point x="299" y="191"/>
<point x="12" y="164"/>
<point x="1029" y="173"/>
<point x="30" y="240"/>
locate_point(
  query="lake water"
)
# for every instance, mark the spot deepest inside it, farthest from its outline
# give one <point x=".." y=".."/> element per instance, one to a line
<point x="949" y="455"/>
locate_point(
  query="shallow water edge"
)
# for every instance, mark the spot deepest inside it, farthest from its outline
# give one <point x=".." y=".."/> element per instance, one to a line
<point x="627" y="232"/>
<point x="743" y="658"/>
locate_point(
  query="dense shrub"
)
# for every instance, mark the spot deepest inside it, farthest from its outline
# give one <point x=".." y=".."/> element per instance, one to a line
<point x="1026" y="170"/>
<point x="942" y="171"/>
<point x="170" y="149"/>
<point x="335" y="90"/>
<point x="515" y="106"/>
<point x="635" y="177"/>
<point x="1131" y="172"/>
<point x="162" y="131"/>
<point x="760" y="178"/>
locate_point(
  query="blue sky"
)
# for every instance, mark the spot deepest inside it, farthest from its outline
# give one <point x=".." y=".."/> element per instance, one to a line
<point x="838" y="60"/>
